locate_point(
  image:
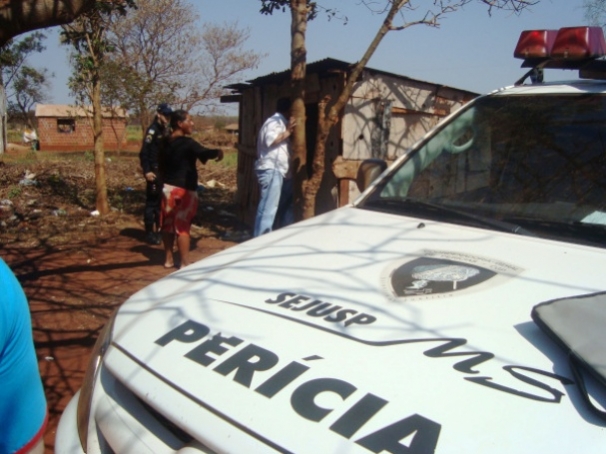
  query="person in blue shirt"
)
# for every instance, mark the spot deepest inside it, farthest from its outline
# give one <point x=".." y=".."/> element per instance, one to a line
<point x="23" y="414"/>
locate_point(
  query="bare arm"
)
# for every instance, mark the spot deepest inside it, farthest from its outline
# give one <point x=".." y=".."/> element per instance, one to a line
<point x="286" y="134"/>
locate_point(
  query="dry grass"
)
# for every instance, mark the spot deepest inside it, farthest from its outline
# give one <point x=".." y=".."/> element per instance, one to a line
<point x="50" y="197"/>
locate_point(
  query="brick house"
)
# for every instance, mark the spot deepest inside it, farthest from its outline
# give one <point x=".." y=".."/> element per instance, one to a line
<point x="69" y="128"/>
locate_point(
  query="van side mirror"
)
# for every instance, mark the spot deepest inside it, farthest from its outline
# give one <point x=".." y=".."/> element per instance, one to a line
<point x="369" y="171"/>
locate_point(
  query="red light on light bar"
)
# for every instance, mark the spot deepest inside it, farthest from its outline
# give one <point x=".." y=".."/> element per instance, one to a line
<point x="574" y="43"/>
<point x="535" y="44"/>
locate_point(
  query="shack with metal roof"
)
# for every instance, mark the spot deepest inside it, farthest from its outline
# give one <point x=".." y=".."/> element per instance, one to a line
<point x="385" y="115"/>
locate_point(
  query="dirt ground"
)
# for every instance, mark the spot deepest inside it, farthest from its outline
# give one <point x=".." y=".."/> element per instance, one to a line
<point x="76" y="268"/>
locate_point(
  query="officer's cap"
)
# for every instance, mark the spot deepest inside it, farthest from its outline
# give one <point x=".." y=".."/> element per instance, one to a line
<point x="164" y="109"/>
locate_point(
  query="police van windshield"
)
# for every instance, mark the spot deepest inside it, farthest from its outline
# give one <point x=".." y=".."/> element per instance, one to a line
<point x="525" y="164"/>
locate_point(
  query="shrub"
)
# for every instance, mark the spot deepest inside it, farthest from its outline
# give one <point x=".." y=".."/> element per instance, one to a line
<point x="14" y="191"/>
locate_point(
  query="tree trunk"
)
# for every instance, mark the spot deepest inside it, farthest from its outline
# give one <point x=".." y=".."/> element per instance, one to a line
<point x="328" y="115"/>
<point x="20" y="16"/>
<point x="100" y="183"/>
<point x="144" y="117"/>
<point x="298" y="58"/>
<point x="311" y="187"/>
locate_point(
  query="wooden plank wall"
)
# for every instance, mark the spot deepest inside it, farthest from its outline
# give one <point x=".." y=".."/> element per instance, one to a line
<point x="258" y="103"/>
<point x="416" y="107"/>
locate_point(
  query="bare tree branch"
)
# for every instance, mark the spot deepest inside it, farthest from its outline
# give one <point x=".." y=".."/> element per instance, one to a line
<point x="409" y="13"/>
<point x="166" y="57"/>
<point x="595" y="12"/>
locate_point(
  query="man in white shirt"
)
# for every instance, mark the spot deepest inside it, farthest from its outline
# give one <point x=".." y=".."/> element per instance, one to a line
<point x="272" y="167"/>
<point x="30" y="137"/>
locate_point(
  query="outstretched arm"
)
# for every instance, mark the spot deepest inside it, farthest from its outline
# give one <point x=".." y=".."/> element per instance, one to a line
<point x="204" y="154"/>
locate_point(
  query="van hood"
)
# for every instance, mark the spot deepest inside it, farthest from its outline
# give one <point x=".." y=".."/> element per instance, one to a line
<point x="349" y="333"/>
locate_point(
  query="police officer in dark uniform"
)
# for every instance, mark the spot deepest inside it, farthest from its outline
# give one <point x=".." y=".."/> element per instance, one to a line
<point x="149" y="163"/>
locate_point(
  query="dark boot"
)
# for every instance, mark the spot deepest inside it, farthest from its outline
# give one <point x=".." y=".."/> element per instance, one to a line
<point x="152" y="238"/>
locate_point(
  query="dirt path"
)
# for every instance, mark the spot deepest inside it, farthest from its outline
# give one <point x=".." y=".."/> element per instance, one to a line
<point x="72" y="290"/>
<point x="75" y="267"/>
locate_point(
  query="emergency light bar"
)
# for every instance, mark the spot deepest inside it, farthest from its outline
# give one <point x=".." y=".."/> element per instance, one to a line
<point x="566" y="48"/>
<point x="535" y="44"/>
<point x="569" y="43"/>
<point x="579" y="43"/>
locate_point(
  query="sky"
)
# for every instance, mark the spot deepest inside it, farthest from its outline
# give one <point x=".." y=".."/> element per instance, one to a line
<point x="470" y="50"/>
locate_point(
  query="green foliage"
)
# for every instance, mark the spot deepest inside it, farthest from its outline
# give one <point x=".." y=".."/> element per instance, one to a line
<point x="85" y="198"/>
<point x="269" y="6"/>
<point x="14" y="191"/>
<point x="117" y="201"/>
<point x="31" y="156"/>
<point x="14" y="53"/>
<point x="27" y="158"/>
<point x="55" y="179"/>
<point x="59" y="185"/>
<point x="88" y="37"/>
<point x="230" y="160"/>
<point x="89" y="156"/>
<point x="31" y="86"/>
<point x="25" y="85"/>
<point x="134" y="133"/>
<point x="14" y="136"/>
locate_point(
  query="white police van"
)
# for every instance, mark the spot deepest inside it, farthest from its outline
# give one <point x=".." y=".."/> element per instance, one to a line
<point x="404" y="323"/>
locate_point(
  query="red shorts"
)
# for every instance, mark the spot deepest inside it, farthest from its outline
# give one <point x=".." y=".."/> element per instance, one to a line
<point x="179" y="206"/>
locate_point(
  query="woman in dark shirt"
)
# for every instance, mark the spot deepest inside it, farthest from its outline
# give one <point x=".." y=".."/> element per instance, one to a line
<point x="177" y="161"/>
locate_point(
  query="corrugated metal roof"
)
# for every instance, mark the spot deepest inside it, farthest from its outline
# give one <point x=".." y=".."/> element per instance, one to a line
<point x="314" y="67"/>
<point x="69" y="111"/>
<point x="325" y="65"/>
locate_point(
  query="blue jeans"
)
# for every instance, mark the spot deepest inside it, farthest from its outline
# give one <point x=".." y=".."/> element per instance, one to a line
<point x="271" y="183"/>
<point x="285" y="215"/>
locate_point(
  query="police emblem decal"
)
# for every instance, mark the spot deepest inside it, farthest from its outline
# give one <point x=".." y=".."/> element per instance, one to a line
<point x="442" y="273"/>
